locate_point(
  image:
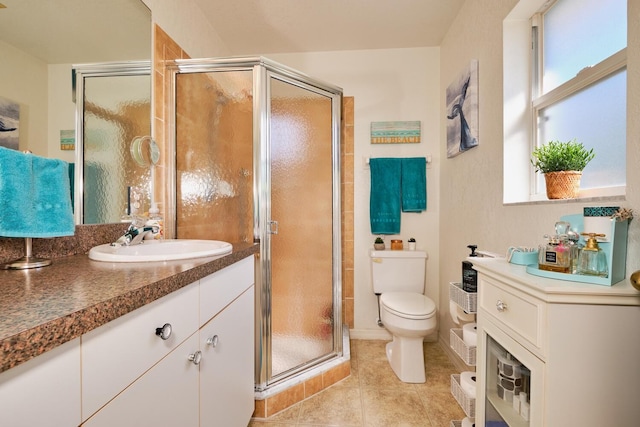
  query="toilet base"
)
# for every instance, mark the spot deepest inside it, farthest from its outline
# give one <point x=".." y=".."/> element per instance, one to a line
<point x="406" y="357"/>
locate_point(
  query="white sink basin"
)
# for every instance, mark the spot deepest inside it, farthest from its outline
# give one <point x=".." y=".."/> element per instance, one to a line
<point x="160" y="250"/>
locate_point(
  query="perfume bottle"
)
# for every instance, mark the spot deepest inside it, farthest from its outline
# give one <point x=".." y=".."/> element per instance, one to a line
<point x="555" y="255"/>
<point x="592" y="260"/>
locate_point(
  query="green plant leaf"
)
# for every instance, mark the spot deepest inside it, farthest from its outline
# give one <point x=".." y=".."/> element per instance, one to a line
<point x="556" y="156"/>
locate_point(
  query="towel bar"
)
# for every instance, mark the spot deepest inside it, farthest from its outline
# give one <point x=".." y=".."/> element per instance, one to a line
<point x="366" y="160"/>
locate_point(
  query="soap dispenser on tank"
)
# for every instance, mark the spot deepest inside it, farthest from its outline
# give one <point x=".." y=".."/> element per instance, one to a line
<point x="592" y="260"/>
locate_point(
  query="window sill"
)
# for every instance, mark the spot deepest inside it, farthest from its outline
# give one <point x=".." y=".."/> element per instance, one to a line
<point x="591" y="199"/>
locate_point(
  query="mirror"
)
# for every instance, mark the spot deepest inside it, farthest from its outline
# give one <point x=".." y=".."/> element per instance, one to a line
<point x="39" y="43"/>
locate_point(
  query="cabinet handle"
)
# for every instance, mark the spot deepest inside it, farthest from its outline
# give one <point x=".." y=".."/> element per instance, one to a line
<point x="213" y="341"/>
<point x="501" y="306"/>
<point x="164" y="332"/>
<point x="196" y="357"/>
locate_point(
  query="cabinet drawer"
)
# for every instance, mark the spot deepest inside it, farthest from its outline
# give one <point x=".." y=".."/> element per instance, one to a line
<point x="517" y="311"/>
<point x="220" y="288"/>
<point x="117" y="353"/>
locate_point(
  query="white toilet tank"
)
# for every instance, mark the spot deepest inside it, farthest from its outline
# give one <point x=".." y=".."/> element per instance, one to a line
<point x="398" y="271"/>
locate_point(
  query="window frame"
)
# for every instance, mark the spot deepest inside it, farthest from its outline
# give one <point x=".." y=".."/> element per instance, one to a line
<point x="586" y="77"/>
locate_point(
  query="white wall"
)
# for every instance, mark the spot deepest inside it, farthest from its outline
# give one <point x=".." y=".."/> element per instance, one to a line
<point x="26" y="84"/>
<point x="183" y="21"/>
<point x="62" y="110"/>
<point x="387" y="85"/>
<point x="473" y="211"/>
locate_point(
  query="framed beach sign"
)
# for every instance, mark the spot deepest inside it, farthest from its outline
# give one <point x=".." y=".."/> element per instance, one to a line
<point x="395" y="132"/>
<point x="9" y="123"/>
<point x="462" y="111"/>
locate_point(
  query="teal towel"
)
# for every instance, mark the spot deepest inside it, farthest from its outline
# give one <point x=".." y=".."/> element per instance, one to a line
<point x="35" y="196"/>
<point x="384" y="201"/>
<point x="414" y="184"/>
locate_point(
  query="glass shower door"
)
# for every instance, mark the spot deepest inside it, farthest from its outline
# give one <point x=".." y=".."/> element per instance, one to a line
<point x="300" y="235"/>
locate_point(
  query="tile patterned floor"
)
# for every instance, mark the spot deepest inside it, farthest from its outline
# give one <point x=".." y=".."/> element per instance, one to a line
<point x="372" y="396"/>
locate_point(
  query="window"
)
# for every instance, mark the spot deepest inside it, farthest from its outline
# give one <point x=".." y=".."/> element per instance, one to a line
<point x="579" y="86"/>
<point x="565" y="77"/>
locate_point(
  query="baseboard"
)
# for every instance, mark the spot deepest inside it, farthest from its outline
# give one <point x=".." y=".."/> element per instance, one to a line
<point x="369" y="334"/>
<point x="380" y="334"/>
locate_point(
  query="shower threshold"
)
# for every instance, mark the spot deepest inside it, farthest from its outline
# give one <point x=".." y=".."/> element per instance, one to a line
<point x="304" y="384"/>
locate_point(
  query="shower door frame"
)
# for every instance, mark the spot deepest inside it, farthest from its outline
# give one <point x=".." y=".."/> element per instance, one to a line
<point x="263" y="70"/>
<point x="80" y="72"/>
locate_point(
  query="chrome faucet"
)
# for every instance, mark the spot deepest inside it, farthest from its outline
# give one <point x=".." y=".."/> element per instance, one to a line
<point x="136" y="232"/>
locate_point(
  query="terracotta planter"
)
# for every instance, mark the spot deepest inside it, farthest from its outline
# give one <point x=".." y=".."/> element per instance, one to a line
<point x="563" y="184"/>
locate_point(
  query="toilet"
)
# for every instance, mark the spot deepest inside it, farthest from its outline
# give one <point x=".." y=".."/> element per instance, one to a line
<point x="398" y="278"/>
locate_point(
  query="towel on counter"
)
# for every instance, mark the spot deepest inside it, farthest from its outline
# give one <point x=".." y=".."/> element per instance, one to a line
<point x="384" y="201"/>
<point x="35" y="196"/>
<point x="414" y="184"/>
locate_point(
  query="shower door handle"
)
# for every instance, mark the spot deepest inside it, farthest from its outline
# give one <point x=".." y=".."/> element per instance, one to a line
<point x="273" y="227"/>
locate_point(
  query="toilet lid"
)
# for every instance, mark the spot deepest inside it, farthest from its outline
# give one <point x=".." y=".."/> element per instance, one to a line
<point x="408" y="304"/>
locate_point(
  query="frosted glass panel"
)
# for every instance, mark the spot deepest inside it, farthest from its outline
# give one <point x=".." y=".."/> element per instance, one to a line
<point x="116" y="110"/>
<point x="596" y="116"/>
<point x="580" y="33"/>
<point x="214" y="156"/>
<point x="301" y="203"/>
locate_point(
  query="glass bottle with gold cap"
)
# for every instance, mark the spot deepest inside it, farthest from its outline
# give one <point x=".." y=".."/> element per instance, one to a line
<point x="592" y="260"/>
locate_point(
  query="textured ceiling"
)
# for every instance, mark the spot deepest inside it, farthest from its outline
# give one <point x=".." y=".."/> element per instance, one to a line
<point x="280" y="26"/>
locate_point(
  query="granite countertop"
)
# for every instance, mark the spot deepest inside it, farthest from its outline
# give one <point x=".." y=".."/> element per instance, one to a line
<point x="45" y="307"/>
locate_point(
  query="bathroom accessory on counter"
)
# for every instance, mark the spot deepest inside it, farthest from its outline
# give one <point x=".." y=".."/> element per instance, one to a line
<point x="36" y="201"/>
<point x="522" y="255"/>
<point x="598" y="220"/>
<point x="615" y="252"/>
<point x="412" y="244"/>
<point x="396" y="245"/>
<point x="592" y="259"/>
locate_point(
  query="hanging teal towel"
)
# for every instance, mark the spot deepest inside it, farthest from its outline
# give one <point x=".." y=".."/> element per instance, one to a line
<point x="384" y="201"/>
<point x="414" y="184"/>
<point x="35" y="196"/>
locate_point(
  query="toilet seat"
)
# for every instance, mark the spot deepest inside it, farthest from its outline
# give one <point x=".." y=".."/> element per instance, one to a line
<point x="409" y="305"/>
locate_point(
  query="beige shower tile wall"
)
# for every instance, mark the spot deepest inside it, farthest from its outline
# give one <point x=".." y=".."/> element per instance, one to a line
<point x="164" y="49"/>
<point x="215" y="152"/>
<point x="346" y="154"/>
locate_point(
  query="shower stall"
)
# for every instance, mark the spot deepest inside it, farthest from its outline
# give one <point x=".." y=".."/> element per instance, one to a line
<point x="256" y="149"/>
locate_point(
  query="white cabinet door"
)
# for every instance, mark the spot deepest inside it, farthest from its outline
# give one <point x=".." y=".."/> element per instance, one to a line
<point x="117" y="353"/>
<point x="165" y="396"/>
<point x="226" y="371"/>
<point x="45" y="391"/>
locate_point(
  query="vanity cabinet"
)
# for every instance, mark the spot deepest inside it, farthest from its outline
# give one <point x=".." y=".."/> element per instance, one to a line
<point x="166" y="395"/>
<point x="203" y="372"/>
<point x="227" y="378"/>
<point x="44" y="391"/>
<point x="117" y="353"/>
<point x="574" y="342"/>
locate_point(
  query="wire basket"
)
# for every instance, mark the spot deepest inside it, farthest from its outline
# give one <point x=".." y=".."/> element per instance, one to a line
<point x="466" y="353"/>
<point x="468" y="301"/>
<point x="467" y="403"/>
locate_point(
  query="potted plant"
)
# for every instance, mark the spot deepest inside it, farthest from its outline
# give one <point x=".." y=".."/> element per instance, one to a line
<point x="378" y="244"/>
<point x="562" y="164"/>
<point x="412" y="244"/>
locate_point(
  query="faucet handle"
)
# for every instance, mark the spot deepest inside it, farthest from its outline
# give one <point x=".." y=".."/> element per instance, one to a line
<point x="138" y="221"/>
